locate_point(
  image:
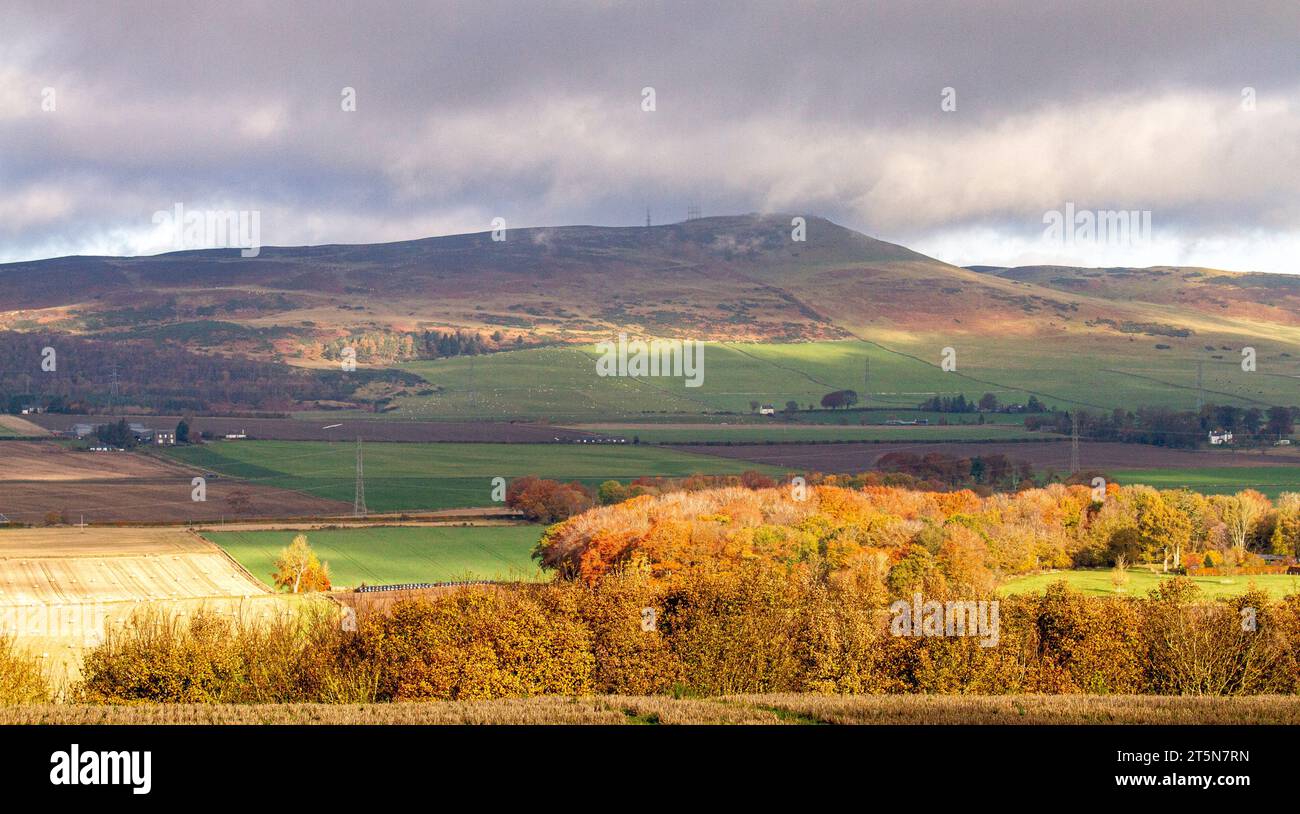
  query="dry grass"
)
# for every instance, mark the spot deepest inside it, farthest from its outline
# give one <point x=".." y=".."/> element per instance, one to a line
<point x="1034" y="709"/>
<point x="546" y="710"/>
<point x="665" y="710"/>
<point x="747" y="709"/>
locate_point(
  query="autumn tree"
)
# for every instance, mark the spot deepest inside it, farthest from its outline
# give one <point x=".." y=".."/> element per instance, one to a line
<point x="1240" y="514"/>
<point x="298" y="569"/>
<point x="1162" y="529"/>
<point x="546" y="501"/>
<point x="1285" y="539"/>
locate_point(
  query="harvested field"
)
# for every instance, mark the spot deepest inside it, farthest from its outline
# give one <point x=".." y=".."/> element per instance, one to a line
<point x="859" y="457"/>
<point x="749" y="709"/>
<point x="60" y="589"/>
<point x="341" y="429"/>
<point x="18" y="543"/>
<point x="68" y="567"/>
<point x="13" y="425"/>
<point x="60" y="635"/>
<point x="1033" y="709"/>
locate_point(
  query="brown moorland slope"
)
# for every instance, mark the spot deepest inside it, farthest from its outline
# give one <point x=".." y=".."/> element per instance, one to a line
<point x="726" y="278"/>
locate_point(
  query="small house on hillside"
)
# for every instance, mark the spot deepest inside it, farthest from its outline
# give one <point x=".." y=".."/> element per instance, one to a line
<point x="1219" y="437"/>
<point x="767" y="409"/>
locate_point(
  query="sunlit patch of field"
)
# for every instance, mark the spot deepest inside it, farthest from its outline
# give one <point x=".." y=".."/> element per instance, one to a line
<point x="1098" y="582"/>
<point x="1076" y="369"/>
<point x="1211" y="480"/>
<point x="392" y="555"/>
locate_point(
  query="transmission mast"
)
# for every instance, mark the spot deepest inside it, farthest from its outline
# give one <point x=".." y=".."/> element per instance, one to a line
<point x="866" y="381"/>
<point x="359" y="501"/>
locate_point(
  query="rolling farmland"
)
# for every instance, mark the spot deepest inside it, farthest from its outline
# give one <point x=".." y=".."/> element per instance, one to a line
<point x="438" y="476"/>
<point x="560" y="383"/>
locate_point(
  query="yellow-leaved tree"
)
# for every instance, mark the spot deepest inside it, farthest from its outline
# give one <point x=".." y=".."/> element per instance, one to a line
<point x="298" y="569"/>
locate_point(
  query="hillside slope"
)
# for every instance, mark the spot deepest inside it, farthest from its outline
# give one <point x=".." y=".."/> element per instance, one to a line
<point x="1074" y="334"/>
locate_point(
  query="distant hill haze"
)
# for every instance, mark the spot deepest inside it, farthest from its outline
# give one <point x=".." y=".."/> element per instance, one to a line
<point x="740" y="278"/>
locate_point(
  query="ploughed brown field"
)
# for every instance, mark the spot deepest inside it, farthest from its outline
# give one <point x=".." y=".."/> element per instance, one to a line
<point x="293" y="429"/>
<point x="102" y="487"/>
<point x="745" y="709"/>
<point x="1044" y="455"/>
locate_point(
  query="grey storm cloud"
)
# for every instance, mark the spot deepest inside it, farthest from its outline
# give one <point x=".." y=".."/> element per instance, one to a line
<point x="532" y="112"/>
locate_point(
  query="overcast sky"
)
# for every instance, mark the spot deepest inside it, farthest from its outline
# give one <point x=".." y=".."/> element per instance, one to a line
<point x="533" y="112"/>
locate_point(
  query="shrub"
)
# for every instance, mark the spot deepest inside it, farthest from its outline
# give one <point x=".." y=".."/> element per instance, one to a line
<point x="22" y="681"/>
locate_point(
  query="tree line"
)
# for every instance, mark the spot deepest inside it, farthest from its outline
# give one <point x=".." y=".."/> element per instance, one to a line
<point x="1161" y="426"/>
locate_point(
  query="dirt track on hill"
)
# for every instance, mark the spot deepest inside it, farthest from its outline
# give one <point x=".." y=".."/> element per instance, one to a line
<point x="860" y="457"/>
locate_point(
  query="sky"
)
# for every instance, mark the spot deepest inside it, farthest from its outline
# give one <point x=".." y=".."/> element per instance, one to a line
<point x="954" y="128"/>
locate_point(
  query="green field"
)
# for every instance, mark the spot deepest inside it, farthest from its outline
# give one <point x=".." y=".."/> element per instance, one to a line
<point x="396" y="554"/>
<point x="560" y="383"/>
<point x="1098" y="583"/>
<point x="1217" y="480"/>
<point x="439" y="476"/>
<point x="780" y="432"/>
